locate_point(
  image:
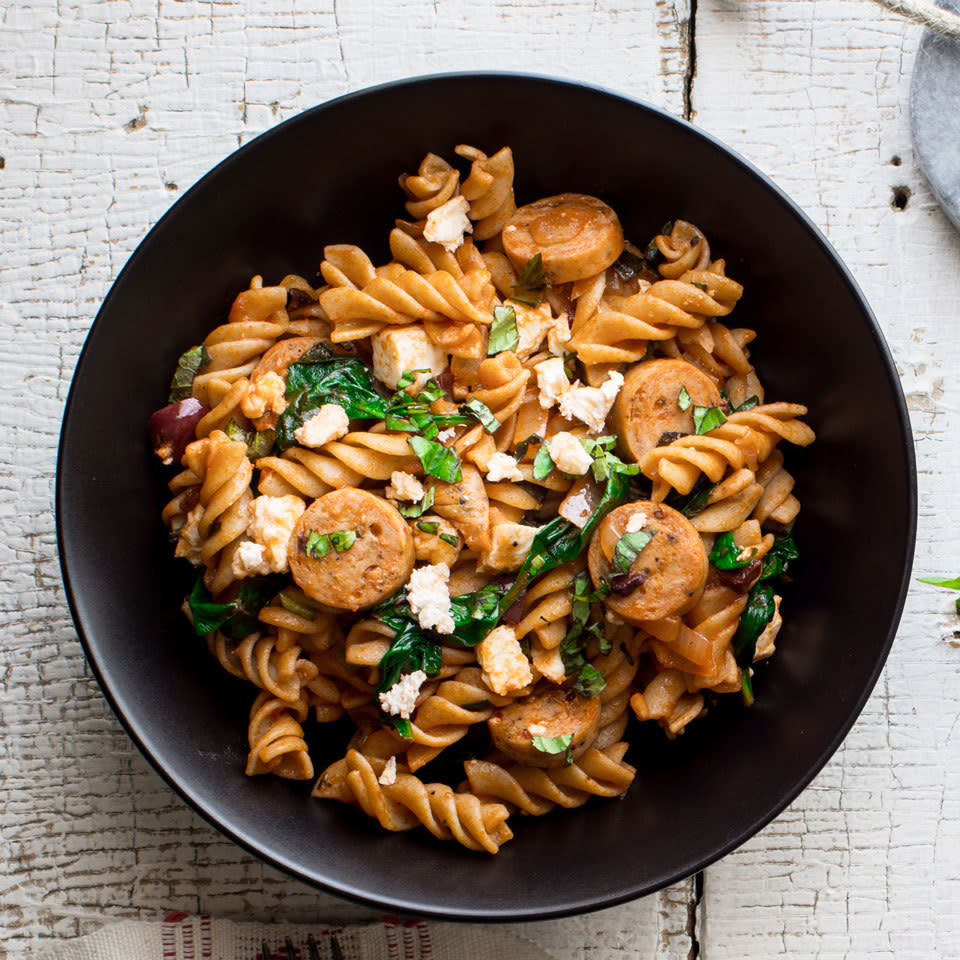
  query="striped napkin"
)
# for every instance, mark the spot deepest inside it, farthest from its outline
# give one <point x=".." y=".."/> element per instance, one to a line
<point x="180" y="936"/>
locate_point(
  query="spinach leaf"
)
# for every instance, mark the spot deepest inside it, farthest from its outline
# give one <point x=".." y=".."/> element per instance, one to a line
<point x="476" y="614"/>
<point x="238" y="617"/>
<point x="503" y="331"/>
<point x="628" y="265"/>
<point x="684" y="399"/>
<point x="437" y="460"/>
<point x="320" y="377"/>
<point x="529" y="286"/>
<point x="757" y="614"/>
<point x="777" y="559"/>
<point x="482" y="413"/>
<point x="190" y="363"/>
<point x="628" y="548"/>
<point x="410" y="649"/>
<point x="259" y="442"/>
<point x="725" y="553"/>
<point x="412" y="510"/>
<point x="706" y="419"/>
<point x="699" y="499"/>
<point x="542" y="463"/>
<point x="747" y="404"/>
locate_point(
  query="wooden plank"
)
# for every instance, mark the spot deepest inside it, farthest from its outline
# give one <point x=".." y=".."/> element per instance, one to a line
<point x="865" y="862"/>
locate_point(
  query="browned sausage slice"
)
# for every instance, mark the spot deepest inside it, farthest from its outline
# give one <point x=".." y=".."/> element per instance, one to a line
<point x="648" y="405"/>
<point x="553" y="712"/>
<point x="576" y="236"/>
<point x="377" y="564"/>
<point x="668" y="575"/>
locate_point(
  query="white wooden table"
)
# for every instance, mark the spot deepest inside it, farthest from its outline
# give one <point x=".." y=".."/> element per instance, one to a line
<point x="109" y="109"/>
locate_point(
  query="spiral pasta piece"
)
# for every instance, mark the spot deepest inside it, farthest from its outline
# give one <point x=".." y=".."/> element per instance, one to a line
<point x="665" y="700"/>
<point x="281" y="671"/>
<point x="434" y="183"/>
<point x="730" y="503"/>
<point x="535" y="790"/>
<point x="778" y="504"/>
<point x="489" y="189"/>
<point x="547" y="605"/>
<point x="276" y="739"/>
<point x="684" y="248"/>
<point x="409" y="802"/>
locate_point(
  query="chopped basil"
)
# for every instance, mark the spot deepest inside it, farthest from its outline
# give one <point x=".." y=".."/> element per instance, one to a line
<point x="590" y="682"/>
<point x="747" y="404"/>
<point x="261" y="443"/>
<point x="606" y="463"/>
<point x="950" y="584"/>
<point x="520" y="451"/>
<point x="429" y="526"/>
<point x="317" y="545"/>
<point x="412" y="510"/>
<point x="700" y="498"/>
<point x="700" y="286"/>
<point x="759" y="611"/>
<point x="238" y="617"/>
<point x="706" y="419"/>
<point x="414" y="414"/>
<point x="683" y="400"/>
<point x="408" y="377"/>
<point x="451" y="539"/>
<point x="234" y="431"/>
<point x="481" y="412"/>
<point x="292" y="605"/>
<point x="552" y="745"/>
<point x="543" y="463"/>
<point x="437" y="460"/>
<point x="628" y="548"/>
<point x="529" y="286"/>
<point x="725" y="553"/>
<point x="343" y="540"/>
<point x="503" y="331"/>
<point x="190" y="363"/>
<point x="628" y="265"/>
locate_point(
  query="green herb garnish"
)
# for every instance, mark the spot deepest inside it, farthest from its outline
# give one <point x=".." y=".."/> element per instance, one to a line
<point x="436" y="459"/>
<point x="189" y="364"/>
<point x="552" y="745"/>
<point x="317" y="545"/>
<point x="606" y="463"/>
<point x="778" y="557"/>
<point x="628" y="548"/>
<point x="706" y="419"/>
<point x="238" y="617"/>
<point x="529" y="286"/>
<point x="520" y="451"/>
<point x="684" y="400"/>
<point x="408" y="377"/>
<point x="503" y="331"/>
<point x="747" y="404"/>
<point x="759" y="611"/>
<point x="628" y="265"/>
<point x="343" y="540"/>
<point x="725" y="553"/>
<point x="590" y="682"/>
<point x="482" y="413"/>
<point x="429" y="526"/>
<point x="543" y="463"/>
<point x="700" y="286"/>
<point x="451" y="539"/>
<point x="293" y="605"/>
<point x="412" y="510"/>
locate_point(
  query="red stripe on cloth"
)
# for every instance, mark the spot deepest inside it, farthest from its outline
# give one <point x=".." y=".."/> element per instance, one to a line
<point x="423" y="934"/>
<point x="206" y="938"/>
<point x="188" y="953"/>
<point x="168" y="936"/>
<point x="390" y="933"/>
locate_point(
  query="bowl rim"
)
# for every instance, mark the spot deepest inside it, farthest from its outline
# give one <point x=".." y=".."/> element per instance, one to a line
<point x="584" y="904"/>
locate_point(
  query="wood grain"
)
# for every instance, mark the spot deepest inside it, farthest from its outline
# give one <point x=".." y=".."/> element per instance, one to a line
<point x="111" y="108"/>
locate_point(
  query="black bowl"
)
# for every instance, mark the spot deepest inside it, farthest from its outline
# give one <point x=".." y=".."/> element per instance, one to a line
<point x="329" y="176"/>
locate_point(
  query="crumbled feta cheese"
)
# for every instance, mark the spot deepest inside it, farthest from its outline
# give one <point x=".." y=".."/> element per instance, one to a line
<point x="532" y="326"/>
<point x="536" y="730"/>
<point x="330" y="422"/>
<point x="509" y="545"/>
<point x="505" y="668"/>
<point x="576" y="507"/>
<point x="401" y="699"/>
<point x="249" y="560"/>
<point x="429" y="597"/>
<point x="591" y="404"/>
<point x="445" y="436"/>
<point x="765" y="646"/>
<point x="636" y="522"/>
<point x="746" y="554"/>
<point x="191" y="542"/>
<point x="271" y="524"/>
<point x="552" y="381"/>
<point x="558" y="336"/>
<point x="448" y="223"/>
<point x="501" y="466"/>
<point x="399" y="349"/>
<point x="404" y="486"/>
<point x="264" y="395"/>
<point x="389" y="776"/>
<point x="568" y="454"/>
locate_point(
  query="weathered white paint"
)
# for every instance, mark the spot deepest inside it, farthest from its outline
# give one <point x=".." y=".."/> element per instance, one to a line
<point x="109" y="109"/>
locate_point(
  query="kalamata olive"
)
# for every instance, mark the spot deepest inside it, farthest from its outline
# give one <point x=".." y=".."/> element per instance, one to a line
<point x="742" y="578"/>
<point x="173" y="427"/>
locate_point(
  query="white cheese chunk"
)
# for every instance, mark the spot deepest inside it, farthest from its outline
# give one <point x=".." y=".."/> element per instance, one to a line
<point x="445" y="436"/>
<point x="509" y="545"/>
<point x="401" y="699"/>
<point x="591" y="405"/>
<point x="501" y="466"/>
<point x="448" y="223"/>
<point x="399" y="349"/>
<point x="330" y="422"/>
<point x="536" y="730"/>
<point x="429" y="597"/>
<point x="568" y="454"/>
<point x="264" y="395"/>
<point x="249" y="560"/>
<point x="636" y="522"/>
<point x="552" y="381"/>
<point x="190" y="543"/>
<point x="558" y="336"/>
<point x="505" y="668"/>
<point x="532" y="326"/>
<point x="271" y="525"/>
<point x="404" y="486"/>
<point x="389" y="776"/>
<point x="765" y="646"/>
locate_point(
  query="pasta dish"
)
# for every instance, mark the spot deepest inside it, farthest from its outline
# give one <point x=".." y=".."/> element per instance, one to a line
<point x="489" y="502"/>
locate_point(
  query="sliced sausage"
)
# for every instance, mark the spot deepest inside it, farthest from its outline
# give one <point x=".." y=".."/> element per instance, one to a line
<point x="466" y="506"/>
<point x="377" y="564"/>
<point x="576" y="236"/>
<point x="276" y="360"/>
<point x="553" y="712"/>
<point x="668" y="575"/>
<point x="648" y="405"/>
